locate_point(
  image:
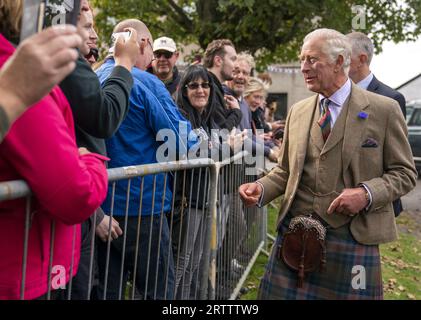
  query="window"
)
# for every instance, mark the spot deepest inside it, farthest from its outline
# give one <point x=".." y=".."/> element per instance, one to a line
<point x="415" y="118"/>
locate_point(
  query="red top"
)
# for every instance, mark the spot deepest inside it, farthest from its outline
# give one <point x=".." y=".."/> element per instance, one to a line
<point x="67" y="188"/>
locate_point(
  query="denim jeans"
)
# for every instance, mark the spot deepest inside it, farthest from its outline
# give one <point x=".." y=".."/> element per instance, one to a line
<point x="190" y="231"/>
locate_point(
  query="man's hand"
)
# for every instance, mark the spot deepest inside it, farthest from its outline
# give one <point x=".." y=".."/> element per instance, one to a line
<point x="39" y="63"/>
<point x="83" y="151"/>
<point x="277" y="124"/>
<point x="232" y="103"/>
<point x="250" y="193"/>
<point x="126" y="53"/>
<point x="349" y="202"/>
<point x="267" y="136"/>
<point x="236" y="140"/>
<point x="102" y="230"/>
<point x="274" y="154"/>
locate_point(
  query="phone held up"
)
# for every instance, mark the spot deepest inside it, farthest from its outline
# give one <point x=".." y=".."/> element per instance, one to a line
<point x="115" y="36"/>
<point x="41" y="14"/>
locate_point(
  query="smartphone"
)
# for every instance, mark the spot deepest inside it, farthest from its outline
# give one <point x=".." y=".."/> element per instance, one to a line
<point x="125" y="34"/>
<point x="41" y="14"/>
<point x="115" y="36"/>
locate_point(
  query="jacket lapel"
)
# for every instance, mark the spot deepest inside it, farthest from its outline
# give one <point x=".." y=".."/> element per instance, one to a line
<point x="338" y="130"/>
<point x="355" y="125"/>
<point x="374" y="85"/>
<point x="302" y="129"/>
<point x="315" y="130"/>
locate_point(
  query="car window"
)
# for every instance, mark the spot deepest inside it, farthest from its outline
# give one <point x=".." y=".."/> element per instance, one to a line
<point x="409" y="110"/>
<point x="415" y="118"/>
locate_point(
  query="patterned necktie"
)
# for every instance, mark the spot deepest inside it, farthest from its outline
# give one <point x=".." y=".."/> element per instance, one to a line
<point x="324" y="121"/>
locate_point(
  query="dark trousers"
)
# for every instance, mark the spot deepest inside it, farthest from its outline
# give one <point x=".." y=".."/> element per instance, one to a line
<point x="152" y="273"/>
<point x="82" y="283"/>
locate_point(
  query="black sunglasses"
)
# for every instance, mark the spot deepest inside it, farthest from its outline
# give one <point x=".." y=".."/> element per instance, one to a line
<point x="93" y="52"/>
<point x="196" y="85"/>
<point x="166" y="54"/>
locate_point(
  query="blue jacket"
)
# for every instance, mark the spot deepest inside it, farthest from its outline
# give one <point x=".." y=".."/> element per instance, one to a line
<point x="137" y="141"/>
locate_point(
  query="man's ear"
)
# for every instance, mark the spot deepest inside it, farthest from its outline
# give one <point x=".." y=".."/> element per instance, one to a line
<point x="217" y="61"/>
<point x="339" y="63"/>
<point x="142" y="46"/>
<point x="363" y="58"/>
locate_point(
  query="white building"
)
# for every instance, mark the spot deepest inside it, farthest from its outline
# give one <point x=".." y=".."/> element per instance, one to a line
<point x="411" y="89"/>
<point x="288" y="87"/>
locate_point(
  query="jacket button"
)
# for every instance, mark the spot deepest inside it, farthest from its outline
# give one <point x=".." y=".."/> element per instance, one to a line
<point x="323" y="158"/>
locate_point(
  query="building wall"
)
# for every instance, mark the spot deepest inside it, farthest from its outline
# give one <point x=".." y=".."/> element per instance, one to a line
<point x="289" y="80"/>
<point x="412" y="90"/>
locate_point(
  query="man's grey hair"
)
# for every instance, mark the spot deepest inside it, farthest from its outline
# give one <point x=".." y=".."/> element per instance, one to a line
<point x="335" y="44"/>
<point x="361" y="44"/>
<point x="248" y="58"/>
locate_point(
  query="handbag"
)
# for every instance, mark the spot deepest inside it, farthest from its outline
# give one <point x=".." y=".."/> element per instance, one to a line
<point x="303" y="246"/>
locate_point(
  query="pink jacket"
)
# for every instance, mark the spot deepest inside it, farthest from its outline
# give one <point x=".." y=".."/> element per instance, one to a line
<point x="40" y="148"/>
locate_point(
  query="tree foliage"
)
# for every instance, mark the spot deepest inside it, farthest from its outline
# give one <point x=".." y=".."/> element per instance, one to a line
<point x="272" y="30"/>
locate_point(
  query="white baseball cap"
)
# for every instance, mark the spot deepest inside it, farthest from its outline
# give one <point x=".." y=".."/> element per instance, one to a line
<point x="164" y="43"/>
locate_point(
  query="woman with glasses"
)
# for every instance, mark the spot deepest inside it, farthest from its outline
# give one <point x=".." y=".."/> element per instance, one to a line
<point x="196" y="100"/>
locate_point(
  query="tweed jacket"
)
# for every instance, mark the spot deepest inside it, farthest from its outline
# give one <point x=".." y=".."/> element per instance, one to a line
<point x="387" y="168"/>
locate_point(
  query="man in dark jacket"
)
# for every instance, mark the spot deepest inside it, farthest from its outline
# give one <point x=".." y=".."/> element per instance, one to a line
<point x="219" y="59"/>
<point x="360" y="73"/>
<point x="98" y="112"/>
<point x="166" y="55"/>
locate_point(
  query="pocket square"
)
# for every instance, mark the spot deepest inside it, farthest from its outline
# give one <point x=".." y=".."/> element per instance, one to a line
<point x="370" y="143"/>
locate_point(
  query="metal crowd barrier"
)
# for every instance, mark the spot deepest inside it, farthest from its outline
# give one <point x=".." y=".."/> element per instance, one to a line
<point x="193" y="239"/>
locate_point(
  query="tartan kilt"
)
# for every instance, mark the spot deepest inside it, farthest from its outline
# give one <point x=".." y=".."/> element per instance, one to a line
<point x="335" y="282"/>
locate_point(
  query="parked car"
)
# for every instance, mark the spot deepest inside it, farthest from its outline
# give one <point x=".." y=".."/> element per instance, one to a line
<point x="410" y="108"/>
<point x="414" y="134"/>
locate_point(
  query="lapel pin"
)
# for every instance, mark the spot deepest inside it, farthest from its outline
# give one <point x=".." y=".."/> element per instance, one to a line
<point x="362" y="115"/>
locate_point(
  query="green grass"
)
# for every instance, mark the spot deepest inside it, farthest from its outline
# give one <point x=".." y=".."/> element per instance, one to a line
<point x="401" y="263"/>
<point x="256" y="273"/>
<point x="401" y="268"/>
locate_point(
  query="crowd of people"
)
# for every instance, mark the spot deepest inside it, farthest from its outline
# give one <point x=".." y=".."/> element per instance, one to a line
<point x="66" y="117"/>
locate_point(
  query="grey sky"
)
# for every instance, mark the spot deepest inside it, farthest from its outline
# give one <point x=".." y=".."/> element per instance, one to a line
<point x="398" y="62"/>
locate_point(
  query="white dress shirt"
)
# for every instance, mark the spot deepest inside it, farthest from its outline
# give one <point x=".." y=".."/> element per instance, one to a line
<point x="337" y="100"/>
<point x="364" y="83"/>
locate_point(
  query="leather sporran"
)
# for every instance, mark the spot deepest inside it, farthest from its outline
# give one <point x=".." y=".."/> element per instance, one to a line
<point x="303" y="246"/>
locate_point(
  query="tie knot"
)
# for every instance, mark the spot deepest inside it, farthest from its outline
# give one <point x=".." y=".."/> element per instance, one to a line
<point x="325" y="103"/>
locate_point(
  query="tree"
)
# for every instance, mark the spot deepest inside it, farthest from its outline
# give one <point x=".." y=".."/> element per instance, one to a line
<point x="272" y="30"/>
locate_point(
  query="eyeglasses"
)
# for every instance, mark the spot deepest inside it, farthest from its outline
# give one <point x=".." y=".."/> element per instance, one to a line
<point x="196" y="85"/>
<point x="166" y="54"/>
<point x="93" y="52"/>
